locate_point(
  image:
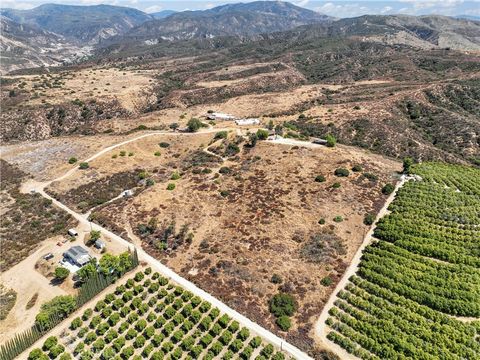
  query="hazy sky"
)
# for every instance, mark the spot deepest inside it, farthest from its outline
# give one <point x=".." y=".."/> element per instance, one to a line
<point x="333" y="8"/>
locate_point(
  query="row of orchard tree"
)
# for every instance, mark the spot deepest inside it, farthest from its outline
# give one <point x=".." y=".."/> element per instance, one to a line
<point x="91" y="286"/>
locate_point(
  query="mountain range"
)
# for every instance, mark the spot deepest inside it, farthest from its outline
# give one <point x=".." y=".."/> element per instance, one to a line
<point x="53" y="34"/>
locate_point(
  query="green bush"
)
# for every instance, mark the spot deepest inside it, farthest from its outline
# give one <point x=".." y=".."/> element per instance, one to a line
<point x="338" y="218"/>
<point x="221" y="135"/>
<point x="284" y="323"/>
<point x="331" y="140"/>
<point x="76" y="323"/>
<point x="326" y="281"/>
<point x="175" y="175"/>
<point x="357" y="168"/>
<point x="72" y="160"/>
<point x="164" y="145"/>
<point x="369" y="219"/>
<point x="49" y="343"/>
<point x="194" y="125"/>
<point x="61" y="273"/>
<point x="171" y="186"/>
<point x="320" y="178"/>
<point x="84" y="165"/>
<point x="321" y="221"/>
<point x="262" y="134"/>
<point x="282" y="304"/>
<point x="341" y="172"/>
<point x="336" y="185"/>
<point x="388" y="189"/>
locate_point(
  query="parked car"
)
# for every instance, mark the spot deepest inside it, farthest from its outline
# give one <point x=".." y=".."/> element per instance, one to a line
<point x="48" y="256"/>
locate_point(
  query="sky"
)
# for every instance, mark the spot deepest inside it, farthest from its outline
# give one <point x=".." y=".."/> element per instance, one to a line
<point x="339" y="9"/>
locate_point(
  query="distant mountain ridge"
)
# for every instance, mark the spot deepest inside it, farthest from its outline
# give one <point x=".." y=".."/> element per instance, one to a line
<point x="85" y="25"/>
<point x="243" y="19"/>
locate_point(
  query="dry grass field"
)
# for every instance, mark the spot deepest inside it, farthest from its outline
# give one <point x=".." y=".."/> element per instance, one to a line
<point x="231" y="224"/>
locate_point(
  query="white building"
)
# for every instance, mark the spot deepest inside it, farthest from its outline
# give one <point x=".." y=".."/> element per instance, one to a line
<point x="251" y="121"/>
<point x="220" y="116"/>
<point x="127" y="193"/>
<point x="72" y="232"/>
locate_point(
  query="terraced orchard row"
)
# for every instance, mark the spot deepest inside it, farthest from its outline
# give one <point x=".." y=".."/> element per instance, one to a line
<point x="417" y="292"/>
<point x="149" y="318"/>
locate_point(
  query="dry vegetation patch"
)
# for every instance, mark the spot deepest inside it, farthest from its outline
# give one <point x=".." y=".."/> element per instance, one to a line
<point x="230" y="226"/>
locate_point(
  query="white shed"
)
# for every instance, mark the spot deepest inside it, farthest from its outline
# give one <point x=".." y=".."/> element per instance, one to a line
<point x="72" y="232"/>
<point x="250" y="121"/>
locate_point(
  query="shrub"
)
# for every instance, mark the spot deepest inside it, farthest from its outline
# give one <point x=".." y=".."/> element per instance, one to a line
<point x="86" y="314"/>
<point x="175" y="175"/>
<point x="369" y="219"/>
<point x="267" y="351"/>
<point x="234" y="326"/>
<point x="128" y="352"/>
<point x="225" y="170"/>
<point x="171" y="186"/>
<point x="276" y="279"/>
<point x="221" y="135"/>
<point x="139" y="341"/>
<point x="357" y="168"/>
<point x="56" y="350"/>
<point x="326" y="281"/>
<point x="228" y="355"/>
<point x="282" y="304"/>
<point x="321" y="221"/>
<point x="49" y="343"/>
<point x="164" y="145"/>
<point x="226" y="337"/>
<point x="84" y="165"/>
<point x="256" y="342"/>
<point x="278" y="356"/>
<point x="370" y="176"/>
<point x="157" y="153"/>
<point x="407" y="164"/>
<point x="194" y="124"/>
<point x="262" y="134"/>
<point x="320" y="178"/>
<point x="72" y="160"/>
<point x="331" y="140"/>
<point x="236" y="345"/>
<point x="79" y="348"/>
<point x="123" y="153"/>
<point x="338" y="218"/>
<point x="61" y="306"/>
<point x="76" y="323"/>
<point x="244" y="334"/>
<point x="336" y="185"/>
<point x="341" y="172"/>
<point x="388" y="189"/>
<point x="216" y="347"/>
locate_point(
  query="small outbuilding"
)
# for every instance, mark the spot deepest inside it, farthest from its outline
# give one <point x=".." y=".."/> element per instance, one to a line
<point x="77" y="255"/>
<point x="220" y="116"/>
<point x="250" y="121"/>
<point x="127" y="193"/>
<point x="72" y="232"/>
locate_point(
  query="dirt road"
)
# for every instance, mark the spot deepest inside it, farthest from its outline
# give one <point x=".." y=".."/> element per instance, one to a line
<point x="320" y="326"/>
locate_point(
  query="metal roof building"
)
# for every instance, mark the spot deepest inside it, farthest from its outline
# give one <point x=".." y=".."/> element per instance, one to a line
<point x="77" y="255"/>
